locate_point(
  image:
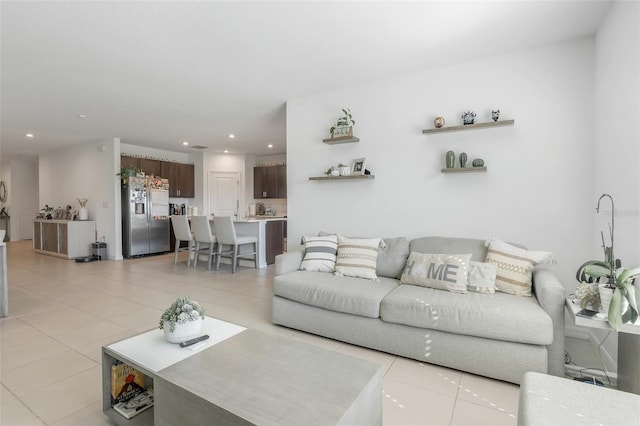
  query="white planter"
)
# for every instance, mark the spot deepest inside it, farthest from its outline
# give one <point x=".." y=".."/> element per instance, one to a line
<point x="182" y="332"/>
<point x="335" y="172"/>
<point x="83" y="214"/>
<point x="605" y="299"/>
<point x="345" y="171"/>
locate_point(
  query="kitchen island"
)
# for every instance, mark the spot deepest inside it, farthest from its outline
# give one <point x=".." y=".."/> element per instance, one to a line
<point x="270" y="231"/>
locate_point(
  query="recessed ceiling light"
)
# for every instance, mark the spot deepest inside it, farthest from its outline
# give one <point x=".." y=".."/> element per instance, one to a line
<point x="270" y="146"/>
<point x="226" y="151"/>
<point x="29" y="135"/>
<point x="231" y="136"/>
<point x="185" y="143"/>
<point x="81" y="116"/>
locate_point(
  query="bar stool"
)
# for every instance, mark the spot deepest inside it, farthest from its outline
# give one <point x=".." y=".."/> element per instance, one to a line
<point x="203" y="235"/>
<point x="182" y="232"/>
<point x="226" y="236"/>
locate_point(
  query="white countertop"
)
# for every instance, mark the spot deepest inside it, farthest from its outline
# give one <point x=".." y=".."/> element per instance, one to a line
<point x="261" y="218"/>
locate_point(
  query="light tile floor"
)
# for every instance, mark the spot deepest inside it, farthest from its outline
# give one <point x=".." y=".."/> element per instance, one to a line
<point x="62" y="312"/>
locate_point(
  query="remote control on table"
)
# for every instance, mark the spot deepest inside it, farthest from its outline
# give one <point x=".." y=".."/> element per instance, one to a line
<point x="194" y="341"/>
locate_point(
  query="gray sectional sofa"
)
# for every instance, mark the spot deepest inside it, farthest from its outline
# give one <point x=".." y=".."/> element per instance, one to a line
<point x="496" y="335"/>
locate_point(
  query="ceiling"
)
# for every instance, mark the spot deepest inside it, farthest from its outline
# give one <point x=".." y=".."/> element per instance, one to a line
<point x="158" y="73"/>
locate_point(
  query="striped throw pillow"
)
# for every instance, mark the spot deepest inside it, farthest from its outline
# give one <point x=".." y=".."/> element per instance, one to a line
<point x="515" y="266"/>
<point x="320" y="253"/>
<point x="357" y="257"/>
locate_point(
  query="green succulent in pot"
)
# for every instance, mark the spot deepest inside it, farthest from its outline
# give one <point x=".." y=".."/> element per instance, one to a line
<point x="181" y="311"/>
<point x="621" y="280"/>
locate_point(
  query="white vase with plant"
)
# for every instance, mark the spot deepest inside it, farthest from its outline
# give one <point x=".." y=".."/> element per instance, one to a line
<point x="83" y="213"/>
<point x="614" y="279"/>
<point x="344" y="125"/>
<point x="182" y="320"/>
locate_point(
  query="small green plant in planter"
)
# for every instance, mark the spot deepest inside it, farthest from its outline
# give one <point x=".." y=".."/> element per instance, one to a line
<point x="127" y="171"/>
<point x="621" y="281"/>
<point x="181" y="311"/>
<point x="346" y="121"/>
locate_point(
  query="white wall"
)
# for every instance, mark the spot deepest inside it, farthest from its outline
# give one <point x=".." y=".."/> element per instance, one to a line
<point x="538" y="190"/>
<point x="617" y="125"/>
<point x="86" y="171"/>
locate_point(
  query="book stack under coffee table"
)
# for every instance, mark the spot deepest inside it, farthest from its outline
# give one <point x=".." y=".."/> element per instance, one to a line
<point x="244" y="376"/>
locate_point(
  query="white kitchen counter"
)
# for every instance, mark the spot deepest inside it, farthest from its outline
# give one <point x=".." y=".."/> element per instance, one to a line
<point x="258" y="218"/>
<point x="255" y="226"/>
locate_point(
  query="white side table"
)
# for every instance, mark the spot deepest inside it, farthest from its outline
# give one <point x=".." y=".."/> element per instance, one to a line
<point x="628" y="347"/>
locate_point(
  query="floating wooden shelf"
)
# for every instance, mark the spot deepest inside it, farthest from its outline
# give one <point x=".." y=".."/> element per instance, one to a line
<point x="342" y="177"/>
<point x="341" y="139"/>
<point x="464" y="169"/>
<point x="471" y="126"/>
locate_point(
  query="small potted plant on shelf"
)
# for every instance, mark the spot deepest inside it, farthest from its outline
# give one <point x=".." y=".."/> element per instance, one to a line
<point x="332" y="171"/>
<point x="182" y="320"/>
<point x="344" y="125"/>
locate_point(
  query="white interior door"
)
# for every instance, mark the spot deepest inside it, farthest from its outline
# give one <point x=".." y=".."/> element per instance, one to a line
<point x="28" y="204"/>
<point x="224" y="193"/>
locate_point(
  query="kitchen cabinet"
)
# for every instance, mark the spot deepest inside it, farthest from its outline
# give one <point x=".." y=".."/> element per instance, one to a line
<point x="181" y="178"/>
<point x="126" y="161"/>
<point x="148" y="166"/>
<point x="270" y="182"/>
<point x="63" y="238"/>
<point x="275" y="234"/>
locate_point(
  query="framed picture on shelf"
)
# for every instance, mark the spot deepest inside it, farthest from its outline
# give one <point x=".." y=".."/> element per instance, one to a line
<point x="358" y="166"/>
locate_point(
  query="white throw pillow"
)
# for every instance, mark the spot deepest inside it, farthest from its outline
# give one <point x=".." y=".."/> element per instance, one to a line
<point x="441" y="271"/>
<point x="357" y="257"/>
<point x="320" y="253"/>
<point x="482" y="277"/>
<point x="515" y="266"/>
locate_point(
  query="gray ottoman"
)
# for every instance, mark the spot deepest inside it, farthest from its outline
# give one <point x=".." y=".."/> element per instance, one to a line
<point x="551" y="400"/>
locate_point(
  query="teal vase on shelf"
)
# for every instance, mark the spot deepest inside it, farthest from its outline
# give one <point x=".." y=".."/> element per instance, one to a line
<point x="450" y="159"/>
<point x="463" y="159"/>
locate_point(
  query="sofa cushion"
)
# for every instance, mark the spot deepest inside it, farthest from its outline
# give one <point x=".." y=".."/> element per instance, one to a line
<point x="320" y="253"/>
<point x="342" y="294"/>
<point x="392" y="257"/>
<point x="442" y="271"/>
<point x="357" y="257"/>
<point x="494" y="316"/>
<point x="450" y="246"/>
<point x="515" y="266"/>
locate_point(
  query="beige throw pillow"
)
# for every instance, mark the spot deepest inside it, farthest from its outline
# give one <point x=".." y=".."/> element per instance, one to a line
<point x="441" y="271"/>
<point x="515" y="266"/>
<point x="357" y="257"/>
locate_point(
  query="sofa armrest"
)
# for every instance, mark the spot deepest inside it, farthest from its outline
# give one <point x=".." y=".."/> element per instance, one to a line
<point x="550" y="294"/>
<point x="288" y="262"/>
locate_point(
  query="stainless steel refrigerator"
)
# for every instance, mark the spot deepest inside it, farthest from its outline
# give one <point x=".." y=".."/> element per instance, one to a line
<point x="145" y="216"/>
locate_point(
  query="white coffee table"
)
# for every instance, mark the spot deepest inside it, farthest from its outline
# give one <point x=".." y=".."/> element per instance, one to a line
<point x="248" y="377"/>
